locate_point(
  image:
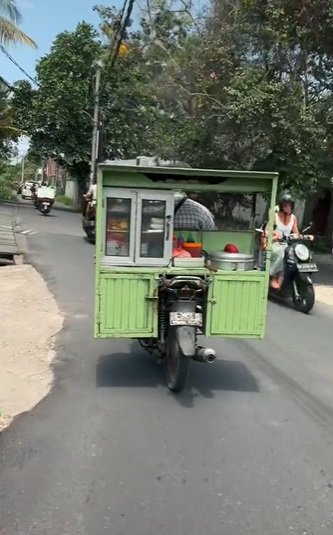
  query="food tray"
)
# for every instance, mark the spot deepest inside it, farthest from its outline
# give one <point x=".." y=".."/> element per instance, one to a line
<point x="189" y="262"/>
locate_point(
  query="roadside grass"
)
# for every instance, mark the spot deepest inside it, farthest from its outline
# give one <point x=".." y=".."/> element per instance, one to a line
<point x="62" y="199"/>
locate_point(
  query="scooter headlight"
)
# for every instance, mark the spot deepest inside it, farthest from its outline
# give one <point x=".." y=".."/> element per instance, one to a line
<point x="302" y="252"/>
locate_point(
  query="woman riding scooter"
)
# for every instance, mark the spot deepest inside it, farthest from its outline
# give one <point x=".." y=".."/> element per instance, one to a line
<point x="285" y="225"/>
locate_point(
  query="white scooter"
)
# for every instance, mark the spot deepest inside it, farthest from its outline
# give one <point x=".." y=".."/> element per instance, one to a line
<point x="45" y="199"/>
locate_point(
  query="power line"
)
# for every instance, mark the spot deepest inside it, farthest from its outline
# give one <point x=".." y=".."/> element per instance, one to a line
<point x="122" y="24"/>
<point x="6" y="53"/>
<point x="123" y="29"/>
<point x="119" y="24"/>
<point x="4" y="82"/>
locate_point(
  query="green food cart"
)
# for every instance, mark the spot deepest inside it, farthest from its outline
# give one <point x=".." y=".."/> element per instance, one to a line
<point x="146" y="291"/>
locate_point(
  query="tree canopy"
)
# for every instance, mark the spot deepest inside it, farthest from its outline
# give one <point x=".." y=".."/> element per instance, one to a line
<point x="244" y="84"/>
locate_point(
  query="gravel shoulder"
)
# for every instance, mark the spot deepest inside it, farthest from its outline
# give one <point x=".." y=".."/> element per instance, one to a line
<point x="324" y="294"/>
<point x="30" y="319"/>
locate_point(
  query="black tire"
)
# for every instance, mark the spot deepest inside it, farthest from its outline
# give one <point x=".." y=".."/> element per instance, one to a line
<point x="177" y="366"/>
<point x="91" y="236"/>
<point x="306" y="292"/>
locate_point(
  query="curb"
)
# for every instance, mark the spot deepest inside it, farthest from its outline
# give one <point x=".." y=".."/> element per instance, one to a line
<point x="64" y="208"/>
<point x="56" y="206"/>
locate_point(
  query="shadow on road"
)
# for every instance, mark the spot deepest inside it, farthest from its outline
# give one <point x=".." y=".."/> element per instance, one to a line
<point x="324" y="277"/>
<point x="138" y="369"/>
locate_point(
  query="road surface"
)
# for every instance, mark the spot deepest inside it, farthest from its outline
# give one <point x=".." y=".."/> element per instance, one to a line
<point x="247" y="449"/>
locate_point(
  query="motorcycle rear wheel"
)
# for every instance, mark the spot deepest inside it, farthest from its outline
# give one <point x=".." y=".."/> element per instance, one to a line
<point x="177" y="366"/>
<point x="307" y="297"/>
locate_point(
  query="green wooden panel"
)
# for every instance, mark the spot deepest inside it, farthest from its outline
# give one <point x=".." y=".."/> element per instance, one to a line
<point x="237" y="306"/>
<point x="202" y="179"/>
<point x="123" y="309"/>
<point x="216" y="240"/>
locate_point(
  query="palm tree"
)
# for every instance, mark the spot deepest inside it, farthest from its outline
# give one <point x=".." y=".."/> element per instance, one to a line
<point x="9" y="31"/>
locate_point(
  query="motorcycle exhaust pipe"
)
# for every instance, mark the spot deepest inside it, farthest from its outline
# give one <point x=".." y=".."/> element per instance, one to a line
<point x="205" y="354"/>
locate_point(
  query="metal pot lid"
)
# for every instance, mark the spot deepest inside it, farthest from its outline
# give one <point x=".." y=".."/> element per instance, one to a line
<point x="222" y="255"/>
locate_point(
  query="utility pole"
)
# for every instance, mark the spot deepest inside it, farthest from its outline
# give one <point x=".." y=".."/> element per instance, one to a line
<point x="95" y="137"/>
<point x="22" y="169"/>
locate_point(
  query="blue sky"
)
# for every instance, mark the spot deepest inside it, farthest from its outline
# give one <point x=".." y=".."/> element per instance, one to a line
<point x="43" y="20"/>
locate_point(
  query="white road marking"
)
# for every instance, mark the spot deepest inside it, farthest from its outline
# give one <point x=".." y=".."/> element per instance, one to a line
<point x="29" y="231"/>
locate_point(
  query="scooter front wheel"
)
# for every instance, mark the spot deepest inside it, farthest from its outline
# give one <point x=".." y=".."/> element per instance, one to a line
<point x="306" y="299"/>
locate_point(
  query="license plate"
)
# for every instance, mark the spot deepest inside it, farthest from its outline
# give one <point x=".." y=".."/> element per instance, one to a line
<point x="307" y="268"/>
<point x="186" y="318"/>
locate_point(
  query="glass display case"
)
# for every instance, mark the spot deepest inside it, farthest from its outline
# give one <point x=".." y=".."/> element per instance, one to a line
<point x="138" y="227"/>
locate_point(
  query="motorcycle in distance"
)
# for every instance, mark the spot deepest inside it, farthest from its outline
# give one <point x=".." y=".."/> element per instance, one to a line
<point x="89" y="218"/>
<point x="35" y="200"/>
<point x="297" y="272"/>
<point x="34" y="196"/>
<point x="44" y="205"/>
<point x="45" y="199"/>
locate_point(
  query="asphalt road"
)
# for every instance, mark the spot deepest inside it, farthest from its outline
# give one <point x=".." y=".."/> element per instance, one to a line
<point x="247" y="449"/>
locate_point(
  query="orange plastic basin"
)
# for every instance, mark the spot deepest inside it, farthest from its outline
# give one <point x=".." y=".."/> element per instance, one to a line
<point x="195" y="249"/>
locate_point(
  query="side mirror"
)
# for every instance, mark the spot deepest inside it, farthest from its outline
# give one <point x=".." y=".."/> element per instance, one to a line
<point x="307" y="228"/>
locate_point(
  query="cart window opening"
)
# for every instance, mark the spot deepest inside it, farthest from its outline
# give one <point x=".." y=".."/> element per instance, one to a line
<point x="208" y="211"/>
<point x="152" y="236"/>
<point x="118" y="218"/>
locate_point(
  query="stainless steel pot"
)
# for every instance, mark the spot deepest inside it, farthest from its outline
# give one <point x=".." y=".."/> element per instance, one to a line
<point x="231" y="261"/>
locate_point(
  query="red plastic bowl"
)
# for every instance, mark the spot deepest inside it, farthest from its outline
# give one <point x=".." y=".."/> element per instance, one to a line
<point x="231" y="248"/>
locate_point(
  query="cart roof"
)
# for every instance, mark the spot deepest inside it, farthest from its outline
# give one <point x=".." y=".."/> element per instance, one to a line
<point x="186" y="178"/>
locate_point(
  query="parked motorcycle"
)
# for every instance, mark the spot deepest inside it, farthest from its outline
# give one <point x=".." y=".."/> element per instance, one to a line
<point x="89" y="219"/>
<point x="297" y="273"/>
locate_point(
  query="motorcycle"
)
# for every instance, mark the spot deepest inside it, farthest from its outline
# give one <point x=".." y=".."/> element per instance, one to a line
<point x="45" y="205"/>
<point x="35" y="199"/>
<point x="89" y="219"/>
<point x="297" y="273"/>
<point x="181" y="304"/>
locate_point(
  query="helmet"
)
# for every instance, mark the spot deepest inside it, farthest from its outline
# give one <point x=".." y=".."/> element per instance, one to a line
<point x="286" y="198"/>
<point x="231" y="248"/>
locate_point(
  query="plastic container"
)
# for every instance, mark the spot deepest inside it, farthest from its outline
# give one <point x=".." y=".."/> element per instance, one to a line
<point x="189" y="262"/>
<point x="195" y="248"/>
<point x="231" y="261"/>
<point x="180" y="253"/>
<point x="180" y="241"/>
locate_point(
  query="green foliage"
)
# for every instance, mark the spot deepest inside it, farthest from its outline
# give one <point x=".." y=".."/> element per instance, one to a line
<point x="248" y="84"/>
<point x="62" y="199"/>
<point x="30" y="168"/>
<point x="8" y="175"/>
<point x="8" y="130"/>
<point x="59" y="116"/>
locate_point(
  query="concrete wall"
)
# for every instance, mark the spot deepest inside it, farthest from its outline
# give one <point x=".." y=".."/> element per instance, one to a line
<point x="72" y="191"/>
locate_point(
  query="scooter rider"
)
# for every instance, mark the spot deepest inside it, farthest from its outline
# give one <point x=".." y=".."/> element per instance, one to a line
<point x="285" y="225"/>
